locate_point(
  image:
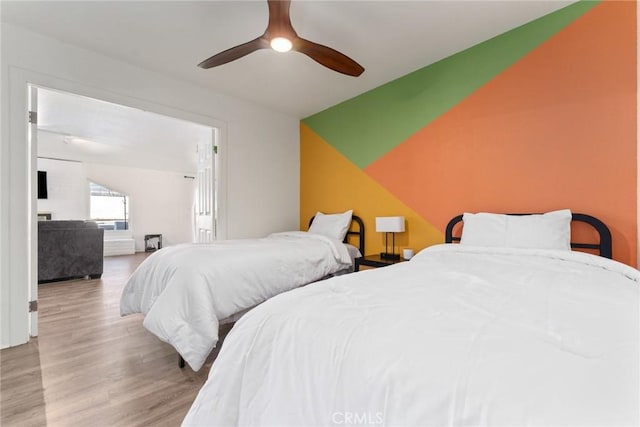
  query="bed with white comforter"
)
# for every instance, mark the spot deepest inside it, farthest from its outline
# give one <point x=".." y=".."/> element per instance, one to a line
<point x="458" y="336"/>
<point x="185" y="290"/>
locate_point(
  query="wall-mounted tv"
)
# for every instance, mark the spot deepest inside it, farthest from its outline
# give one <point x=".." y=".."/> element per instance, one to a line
<point x="42" y="185"/>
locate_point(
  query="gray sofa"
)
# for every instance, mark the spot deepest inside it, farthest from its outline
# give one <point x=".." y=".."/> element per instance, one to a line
<point x="69" y="249"/>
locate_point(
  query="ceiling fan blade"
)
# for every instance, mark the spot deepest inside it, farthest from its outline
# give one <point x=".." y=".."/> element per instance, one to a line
<point x="328" y="57"/>
<point x="235" y="52"/>
<point x="279" y="20"/>
<point x="280" y="26"/>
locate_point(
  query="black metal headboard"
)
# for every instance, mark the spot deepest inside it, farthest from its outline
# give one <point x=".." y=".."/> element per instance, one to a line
<point x="603" y="247"/>
<point x="359" y="232"/>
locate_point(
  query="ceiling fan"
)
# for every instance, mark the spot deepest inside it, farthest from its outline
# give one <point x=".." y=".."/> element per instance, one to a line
<point x="281" y="37"/>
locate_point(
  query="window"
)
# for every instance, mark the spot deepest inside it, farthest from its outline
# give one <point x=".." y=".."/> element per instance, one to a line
<point x="108" y="208"/>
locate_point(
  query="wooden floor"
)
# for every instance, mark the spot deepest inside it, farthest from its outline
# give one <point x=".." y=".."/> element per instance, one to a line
<point x="91" y="367"/>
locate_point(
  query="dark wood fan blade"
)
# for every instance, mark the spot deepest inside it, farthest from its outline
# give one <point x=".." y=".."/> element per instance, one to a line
<point x="235" y="52"/>
<point x="279" y="20"/>
<point x="328" y="57"/>
<point x="280" y="26"/>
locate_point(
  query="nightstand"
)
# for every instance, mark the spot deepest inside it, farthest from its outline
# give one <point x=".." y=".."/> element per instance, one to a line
<point x="375" y="261"/>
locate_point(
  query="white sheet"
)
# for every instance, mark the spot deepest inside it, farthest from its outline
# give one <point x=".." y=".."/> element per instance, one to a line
<point x="184" y="290"/>
<point x="455" y="337"/>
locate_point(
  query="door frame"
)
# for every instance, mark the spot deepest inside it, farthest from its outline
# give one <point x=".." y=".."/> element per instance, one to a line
<point x="19" y="171"/>
<point x="32" y="239"/>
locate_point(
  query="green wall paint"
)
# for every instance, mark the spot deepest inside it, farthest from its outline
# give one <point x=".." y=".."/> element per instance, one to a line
<point x="367" y="126"/>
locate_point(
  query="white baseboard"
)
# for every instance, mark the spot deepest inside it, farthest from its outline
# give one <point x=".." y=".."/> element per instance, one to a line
<point x="119" y="247"/>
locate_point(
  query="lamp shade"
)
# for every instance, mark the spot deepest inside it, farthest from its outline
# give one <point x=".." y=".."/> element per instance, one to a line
<point x="390" y="224"/>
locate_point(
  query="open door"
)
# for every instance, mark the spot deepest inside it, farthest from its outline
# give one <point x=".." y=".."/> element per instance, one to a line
<point x="32" y="135"/>
<point x="206" y="206"/>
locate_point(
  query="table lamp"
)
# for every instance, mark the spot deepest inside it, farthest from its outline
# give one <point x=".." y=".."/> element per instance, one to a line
<point x="393" y="225"/>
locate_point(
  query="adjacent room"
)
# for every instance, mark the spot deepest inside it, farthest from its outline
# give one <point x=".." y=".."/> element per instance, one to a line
<point x="134" y="173"/>
<point x="276" y="212"/>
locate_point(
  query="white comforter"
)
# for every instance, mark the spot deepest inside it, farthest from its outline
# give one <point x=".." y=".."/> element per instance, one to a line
<point x="184" y="290"/>
<point x="456" y="337"/>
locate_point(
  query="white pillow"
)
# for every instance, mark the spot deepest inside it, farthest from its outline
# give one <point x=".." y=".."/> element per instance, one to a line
<point x="484" y="229"/>
<point x="541" y="231"/>
<point x="334" y="226"/>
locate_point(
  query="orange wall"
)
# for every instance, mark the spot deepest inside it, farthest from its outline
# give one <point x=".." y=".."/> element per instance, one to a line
<point x="555" y="129"/>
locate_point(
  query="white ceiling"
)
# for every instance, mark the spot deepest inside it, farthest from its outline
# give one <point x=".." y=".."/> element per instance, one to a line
<point x="389" y="38"/>
<point x="74" y="127"/>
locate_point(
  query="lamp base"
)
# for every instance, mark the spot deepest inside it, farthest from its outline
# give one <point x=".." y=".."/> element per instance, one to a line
<point x="386" y="255"/>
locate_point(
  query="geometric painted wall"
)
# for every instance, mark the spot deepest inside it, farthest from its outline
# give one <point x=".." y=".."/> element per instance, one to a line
<point x="542" y="117"/>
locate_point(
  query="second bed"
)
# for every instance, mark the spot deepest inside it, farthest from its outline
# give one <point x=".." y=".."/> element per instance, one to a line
<point x="186" y="291"/>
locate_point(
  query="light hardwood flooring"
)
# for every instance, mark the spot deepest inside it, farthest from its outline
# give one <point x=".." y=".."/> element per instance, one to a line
<point x="91" y="367"/>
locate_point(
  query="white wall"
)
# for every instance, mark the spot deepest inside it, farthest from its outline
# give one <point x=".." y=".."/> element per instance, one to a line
<point x="259" y="150"/>
<point x="161" y="202"/>
<point x="68" y="189"/>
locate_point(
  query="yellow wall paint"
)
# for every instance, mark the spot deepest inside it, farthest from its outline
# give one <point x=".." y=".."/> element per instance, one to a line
<point x="330" y="183"/>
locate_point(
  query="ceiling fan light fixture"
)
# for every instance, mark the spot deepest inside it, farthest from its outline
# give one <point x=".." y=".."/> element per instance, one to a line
<point x="281" y="44"/>
<point x="70" y="139"/>
<point x="281" y="37"/>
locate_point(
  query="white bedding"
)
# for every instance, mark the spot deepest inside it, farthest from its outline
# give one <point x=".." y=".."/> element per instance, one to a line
<point x="184" y="290"/>
<point x="458" y="336"/>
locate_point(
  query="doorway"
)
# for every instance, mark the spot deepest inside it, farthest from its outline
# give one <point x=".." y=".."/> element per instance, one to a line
<point x="148" y="158"/>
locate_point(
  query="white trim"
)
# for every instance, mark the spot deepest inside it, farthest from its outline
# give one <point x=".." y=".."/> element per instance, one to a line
<point x="32" y="158"/>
